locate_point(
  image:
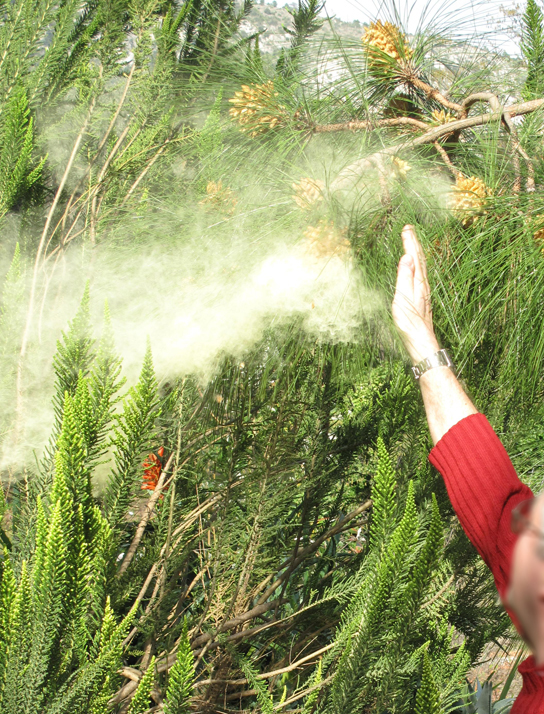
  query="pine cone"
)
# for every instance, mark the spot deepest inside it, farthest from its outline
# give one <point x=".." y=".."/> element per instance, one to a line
<point x="440" y="116"/>
<point x="468" y="198"/>
<point x="257" y="110"/>
<point x="326" y="241"/>
<point x="384" y="38"/>
<point x="308" y="192"/>
<point x="401" y="167"/>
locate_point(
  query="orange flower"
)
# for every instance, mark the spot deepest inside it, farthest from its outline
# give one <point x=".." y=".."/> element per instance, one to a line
<point x="152" y="470"/>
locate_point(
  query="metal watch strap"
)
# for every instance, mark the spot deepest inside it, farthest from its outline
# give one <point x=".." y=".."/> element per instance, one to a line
<point x="438" y="359"/>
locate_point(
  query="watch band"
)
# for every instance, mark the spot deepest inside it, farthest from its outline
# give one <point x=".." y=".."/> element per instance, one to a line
<point x="438" y="359"/>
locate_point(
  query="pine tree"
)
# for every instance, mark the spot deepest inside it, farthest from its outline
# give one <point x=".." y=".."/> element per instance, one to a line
<point x="532" y="47"/>
<point x="209" y="140"/>
<point x="264" y="699"/>
<point x="168" y="39"/>
<point x="311" y="699"/>
<point x="105" y="383"/>
<point x="49" y="606"/>
<point x="20" y="644"/>
<point x="306" y="22"/>
<point x="102" y="566"/>
<point x="107" y="644"/>
<point x="11" y="312"/>
<point x="7" y="597"/>
<point x="71" y="457"/>
<point x="40" y="545"/>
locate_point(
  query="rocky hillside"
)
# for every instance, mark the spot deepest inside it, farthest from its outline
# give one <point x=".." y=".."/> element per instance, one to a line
<point x="269" y="19"/>
<point x="496" y="71"/>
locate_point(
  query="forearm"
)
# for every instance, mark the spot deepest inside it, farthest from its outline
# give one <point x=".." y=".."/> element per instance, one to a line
<point x="445" y="400"/>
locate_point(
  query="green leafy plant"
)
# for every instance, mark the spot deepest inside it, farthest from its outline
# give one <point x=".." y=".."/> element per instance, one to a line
<point x="259" y="529"/>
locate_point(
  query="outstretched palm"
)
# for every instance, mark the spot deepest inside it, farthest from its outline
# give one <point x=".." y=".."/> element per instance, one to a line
<point x="412" y="311"/>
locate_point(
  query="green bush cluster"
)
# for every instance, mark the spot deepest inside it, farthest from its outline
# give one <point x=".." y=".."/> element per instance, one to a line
<point x="294" y="550"/>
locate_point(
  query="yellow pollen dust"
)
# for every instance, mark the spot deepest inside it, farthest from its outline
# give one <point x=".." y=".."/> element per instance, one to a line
<point x="308" y="192"/>
<point x="401" y="167"/>
<point x="326" y="241"/>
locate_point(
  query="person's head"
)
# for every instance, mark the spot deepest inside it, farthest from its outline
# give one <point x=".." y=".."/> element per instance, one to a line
<point x="526" y="591"/>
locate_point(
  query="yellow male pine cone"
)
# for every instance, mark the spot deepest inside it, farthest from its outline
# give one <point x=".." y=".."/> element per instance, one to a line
<point x="257" y="110"/>
<point x="384" y="38"/>
<point x="326" y="241"/>
<point x="219" y="197"/>
<point x="440" y="116"/>
<point x="401" y="167"/>
<point x="308" y="192"/>
<point x="468" y="198"/>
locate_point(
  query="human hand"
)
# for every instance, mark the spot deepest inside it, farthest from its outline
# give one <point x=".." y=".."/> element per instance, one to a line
<point x="412" y="312"/>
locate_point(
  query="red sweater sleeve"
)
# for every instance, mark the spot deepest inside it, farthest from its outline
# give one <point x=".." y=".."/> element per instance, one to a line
<point x="483" y="488"/>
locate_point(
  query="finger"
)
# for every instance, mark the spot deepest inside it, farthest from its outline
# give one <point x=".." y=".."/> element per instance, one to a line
<point x="412" y="247"/>
<point x="421" y="285"/>
<point x="422" y="258"/>
<point x="404" y="289"/>
<point x="422" y="280"/>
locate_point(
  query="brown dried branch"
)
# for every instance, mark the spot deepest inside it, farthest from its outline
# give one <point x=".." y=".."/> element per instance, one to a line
<point x="436" y="132"/>
<point x="290" y="563"/>
<point x="347" y="175"/>
<point x="102" y="141"/>
<point x="294" y="698"/>
<point x="431" y="92"/>
<point x="368" y="125"/>
<point x="149" y="510"/>
<point x="144" y="172"/>
<point x="265" y="675"/>
<point x="444" y="154"/>
<point x="300" y="695"/>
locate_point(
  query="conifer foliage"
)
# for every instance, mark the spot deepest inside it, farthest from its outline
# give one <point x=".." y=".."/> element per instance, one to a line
<point x="532" y="46"/>
<point x="180" y="678"/>
<point x="265" y="535"/>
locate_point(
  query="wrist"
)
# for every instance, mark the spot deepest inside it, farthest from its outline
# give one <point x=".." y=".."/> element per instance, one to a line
<point x="422" y="348"/>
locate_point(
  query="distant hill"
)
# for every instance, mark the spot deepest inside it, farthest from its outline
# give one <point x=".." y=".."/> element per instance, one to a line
<point x="271" y="19"/>
<point x="497" y="72"/>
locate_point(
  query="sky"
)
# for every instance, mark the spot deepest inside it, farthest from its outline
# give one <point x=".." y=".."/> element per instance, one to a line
<point x="482" y="17"/>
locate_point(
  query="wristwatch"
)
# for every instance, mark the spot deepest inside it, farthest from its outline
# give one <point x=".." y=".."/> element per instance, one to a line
<point x="438" y="359"/>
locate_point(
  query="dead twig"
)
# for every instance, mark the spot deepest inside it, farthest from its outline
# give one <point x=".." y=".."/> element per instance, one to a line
<point x="292" y="564"/>
<point x="265" y="675"/>
<point x="149" y="510"/>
